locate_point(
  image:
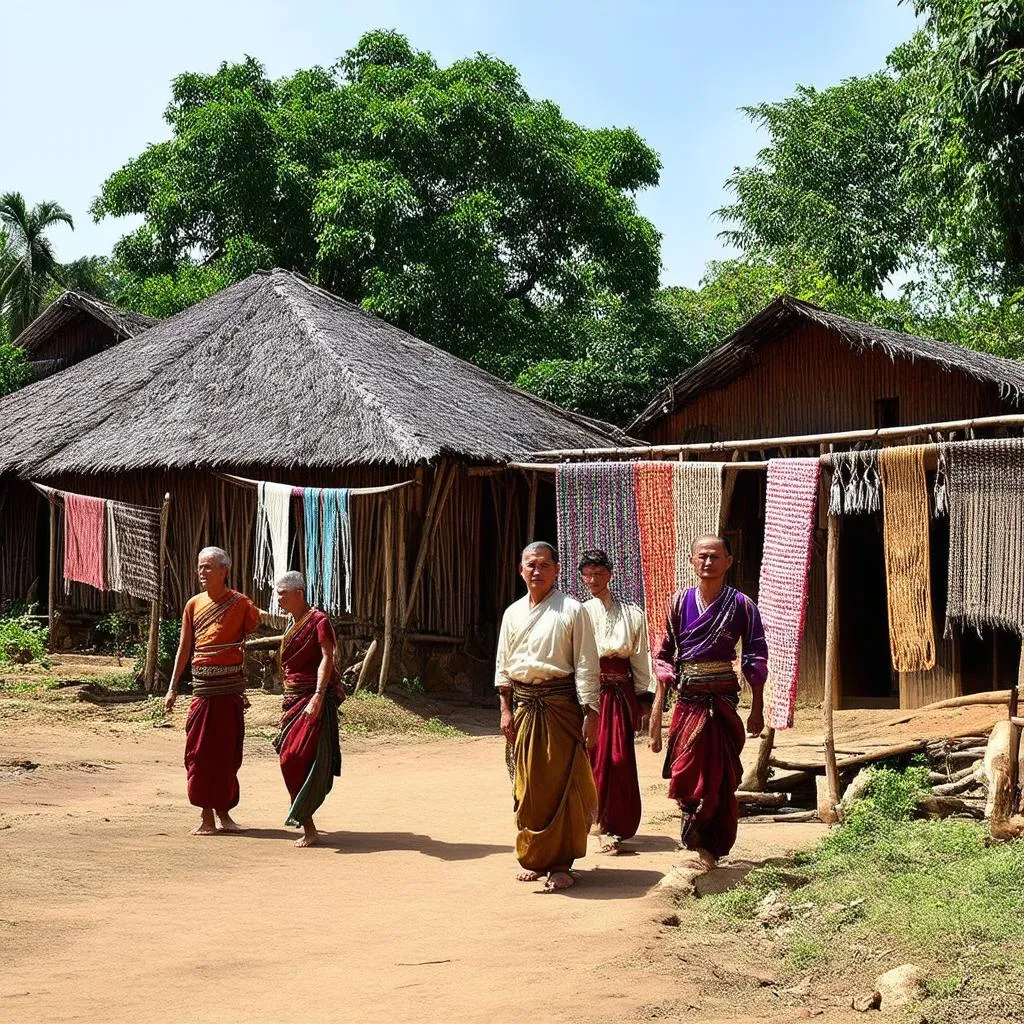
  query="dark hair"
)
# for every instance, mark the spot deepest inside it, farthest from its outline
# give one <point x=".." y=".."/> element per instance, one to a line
<point x="595" y="556"/>
<point x="726" y="546"/>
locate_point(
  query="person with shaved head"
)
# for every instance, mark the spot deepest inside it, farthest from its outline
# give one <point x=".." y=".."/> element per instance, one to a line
<point x="705" y="625"/>
<point x="548" y="668"/>
<point x="213" y="626"/>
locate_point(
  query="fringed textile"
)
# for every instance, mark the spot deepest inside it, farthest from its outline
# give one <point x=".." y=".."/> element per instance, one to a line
<point x="655" y="515"/>
<point x="790" y="510"/>
<point x="985" y="484"/>
<point x="337" y="550"/>
<point x="907" y="558"/>
<point x="596" y="507"/>
<point x="856" y="485"/>
<point x="133" y="551"/>
<point x="273" y="509"/>
<point x="85" y="537"/>
<point x="697" y="509"/>
<point x="312" y="514"/>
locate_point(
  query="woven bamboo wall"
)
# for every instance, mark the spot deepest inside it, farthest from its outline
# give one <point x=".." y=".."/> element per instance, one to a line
<point x="812" y="383"/>
<point x="81" y="337"/>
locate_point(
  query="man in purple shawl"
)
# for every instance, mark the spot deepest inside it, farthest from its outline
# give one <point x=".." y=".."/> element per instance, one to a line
<point x="702" y="759"/>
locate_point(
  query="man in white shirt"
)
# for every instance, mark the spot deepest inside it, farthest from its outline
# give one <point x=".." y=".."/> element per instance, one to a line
<point x="627" y="681"/>
<point x="548" y="667"/>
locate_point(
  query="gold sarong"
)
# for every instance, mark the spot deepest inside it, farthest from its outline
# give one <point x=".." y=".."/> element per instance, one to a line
<point x="555" y="795"/>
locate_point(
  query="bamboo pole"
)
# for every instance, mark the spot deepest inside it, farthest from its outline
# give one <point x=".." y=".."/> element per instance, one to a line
<point x="1014" y="739"/>
<point x="827" y="806"/>
<point x="442" y="488"/>
<point x="389" y="596"/>
<point x="244" y="481"/>
<point x="746" y="444"/>
<point x="51" y="599"/>
<point x="550" y="467"/>
<point x="757" y="777"/>
<point x="156" y="607"/>
<point x="531" y="509"/>
<point x="364" y="669"/>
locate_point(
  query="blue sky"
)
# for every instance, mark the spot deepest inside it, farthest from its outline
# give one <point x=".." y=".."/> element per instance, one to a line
<point x="83" y="86"/>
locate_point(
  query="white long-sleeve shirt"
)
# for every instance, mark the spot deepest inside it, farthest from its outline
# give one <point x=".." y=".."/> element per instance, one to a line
<point x="550" y="640"/>
<point x="621" y="632"/>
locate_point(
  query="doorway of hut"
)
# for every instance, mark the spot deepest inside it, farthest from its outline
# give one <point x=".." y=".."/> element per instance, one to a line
<point x="866" y="677"/>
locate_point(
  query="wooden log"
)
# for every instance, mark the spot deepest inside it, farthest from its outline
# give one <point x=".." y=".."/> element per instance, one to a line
<point x="364" y="671"/>
<point x="829" y="799"/>
<point x="959" y="786"/>
<point x="156" y="607"/>
<point x="794" y="816"/>
<point x="531" y="509"/>
<point x="389" y="596"/>
<point x="819" y="768"/>
<point x="746" y="799"/>
<point x="52" y="596"/>
<point x="946" y="806"/>
<point x="971" y="699"/>
<point x="263" y="643"/>
<point x="756" y="778"/>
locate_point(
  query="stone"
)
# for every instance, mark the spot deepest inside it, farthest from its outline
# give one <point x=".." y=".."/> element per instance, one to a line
<point x="900" y="987"/>
<point x="867" y="1001"/>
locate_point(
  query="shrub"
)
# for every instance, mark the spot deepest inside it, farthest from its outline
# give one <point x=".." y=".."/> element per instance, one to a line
<point x="22" y="640"/>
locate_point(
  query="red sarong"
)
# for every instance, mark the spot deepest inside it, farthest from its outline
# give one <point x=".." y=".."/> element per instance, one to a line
<point x="702" y="761"/>
<point x="613" y="759"/>
<point x="214" y="734"/>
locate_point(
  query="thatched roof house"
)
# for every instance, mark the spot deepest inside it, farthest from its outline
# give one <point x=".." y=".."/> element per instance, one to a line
<point x="796" y="370"/>
<point x="274" y="378"/>
<point x="74" y="327"/>
<point x="793" y="344"/>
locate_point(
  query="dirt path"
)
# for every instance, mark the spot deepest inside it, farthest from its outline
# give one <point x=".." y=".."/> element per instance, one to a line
<point x="109" y="911"/>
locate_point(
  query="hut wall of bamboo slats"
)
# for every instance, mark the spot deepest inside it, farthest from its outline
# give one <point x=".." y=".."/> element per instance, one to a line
<point x="797" y="370"/>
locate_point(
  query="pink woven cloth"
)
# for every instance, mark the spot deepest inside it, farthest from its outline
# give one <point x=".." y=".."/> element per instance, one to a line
<point x="654" y="496"/>
<point x="790" y="511"/>
<point x="85" y="540"/>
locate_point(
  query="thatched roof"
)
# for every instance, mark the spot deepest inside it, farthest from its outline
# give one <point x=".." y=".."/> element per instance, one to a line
<point x="275" y="371"/>
<point x="123" y="322"/>
<point x="734" y="356"/>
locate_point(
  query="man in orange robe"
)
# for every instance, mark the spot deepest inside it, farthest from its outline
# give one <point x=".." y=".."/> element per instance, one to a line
<point x="213" y="626"/>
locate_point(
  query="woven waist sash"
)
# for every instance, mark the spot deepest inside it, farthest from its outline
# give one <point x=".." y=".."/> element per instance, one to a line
<point x="615" y="671"/>
<point x="707" y="677"/>
<point x="217" y="680"/>
<point x="529" y="693"/>
<point x="300" y="684"/>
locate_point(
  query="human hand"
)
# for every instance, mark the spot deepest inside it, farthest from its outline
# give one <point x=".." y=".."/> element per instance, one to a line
<point x="590" y="729"/>
<point x="755" y="722"/>
<point x="655" y="733"/>
<point x="508" y="725"/>
<point x="245" y="703"/>
<point x="315" y="706"/>
<point x="169" y="701"/>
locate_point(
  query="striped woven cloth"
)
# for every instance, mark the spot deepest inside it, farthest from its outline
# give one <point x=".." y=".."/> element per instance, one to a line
<point x="133" y="550"/>
<point x="597" y="508"/>
<point x="697" y="510"/>
<point x="655" y="514"/>
<point x="790" y="510"/>
<point x="85" y="540"/>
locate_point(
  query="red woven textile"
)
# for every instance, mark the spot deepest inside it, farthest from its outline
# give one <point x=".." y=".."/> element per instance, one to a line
<point x="214" y="734"/>
<point x="790" y="510"/>
<point x="85" y="537"/>
<point x="654" y="505"/>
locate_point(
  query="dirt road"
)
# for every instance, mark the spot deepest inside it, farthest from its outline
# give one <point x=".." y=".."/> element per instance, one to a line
<point x="110" y="912"/>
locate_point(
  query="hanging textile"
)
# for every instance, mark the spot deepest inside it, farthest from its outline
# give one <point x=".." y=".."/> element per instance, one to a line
<point x="328" y="549"/>
<point x="273" y="509"/>
<point x="596" y="508"/>
<point x="85" y="540"/>
<point x="697" y="509"/>
<point x="790" y="510"/>
<point x="856" y="485"/>
<point x="907" y="558"/>
<point x="985" y="496"/>
<point x="656" y="520"/>
<point x="133" y="550"/>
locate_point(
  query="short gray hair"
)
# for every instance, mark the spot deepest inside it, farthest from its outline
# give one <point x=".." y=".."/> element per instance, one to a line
<point x="536" y="545"/>
<point x="292" y="580"/>
<point x="218" y="554"/>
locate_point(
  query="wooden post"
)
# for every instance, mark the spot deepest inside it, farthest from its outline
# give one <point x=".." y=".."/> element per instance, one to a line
<point x="829" y="799"/>
<point x="156" y="607"/>
<point x="531" y="510"/>
<point x="439" y="496"/>
<point x="364" y="669"/>
<point x="389" y="594"/>
<point x="51" y="600"/>
<point x="757" y="777"/>
<point x="1013" y="746"/>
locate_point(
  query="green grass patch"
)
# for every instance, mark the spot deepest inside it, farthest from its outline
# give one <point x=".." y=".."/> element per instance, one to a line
<point x="933" y="892"/>
<point x="22" y="641"/>
<point x="364" y="713"/>
<point x="29" y="687"/>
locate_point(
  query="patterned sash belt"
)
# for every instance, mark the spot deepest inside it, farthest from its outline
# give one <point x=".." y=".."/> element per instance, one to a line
<point x="615" y="672"/>
<point x="300" y="685"/>
<point x="701" y="680"/>
<point x="535" y="693"/>
<point x="217" y="680"/>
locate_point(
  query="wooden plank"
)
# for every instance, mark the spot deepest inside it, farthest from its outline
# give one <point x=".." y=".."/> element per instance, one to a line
<point x="389" y="596"/>
<point x="156" y="607"/>
<point x="52" y="596"/>
<point x="827" y="806"/>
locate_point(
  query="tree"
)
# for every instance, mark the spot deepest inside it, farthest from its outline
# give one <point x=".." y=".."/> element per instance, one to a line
<point x="32" y="267"/>
<point x="445" y="199"/>
<point x="95" y="275"/>
<point x="965" y="124"/>
<point x="829" y="182"/>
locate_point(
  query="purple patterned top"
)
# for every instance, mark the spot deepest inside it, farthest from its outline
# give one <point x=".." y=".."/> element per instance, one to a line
<point x="712" y="636"/>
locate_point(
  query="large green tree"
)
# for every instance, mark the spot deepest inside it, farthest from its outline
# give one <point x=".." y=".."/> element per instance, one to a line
<point x="30" y="268"/>
<point x="446" y="199"/>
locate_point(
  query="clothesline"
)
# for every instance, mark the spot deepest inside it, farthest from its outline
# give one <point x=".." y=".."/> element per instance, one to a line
<point x="243" y="481"/>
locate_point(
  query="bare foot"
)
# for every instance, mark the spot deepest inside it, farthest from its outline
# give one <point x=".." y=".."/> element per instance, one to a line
<point x="308" y="840"/>
<point x="528" y="876"/>
<point x="227" y="823"/>
<point x="202" y="829"/>
<point x="559" y="880"/>
<point x="611" y="846"/>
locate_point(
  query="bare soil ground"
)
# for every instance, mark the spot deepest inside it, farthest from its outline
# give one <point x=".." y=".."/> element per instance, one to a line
<point x="110" y="912"/>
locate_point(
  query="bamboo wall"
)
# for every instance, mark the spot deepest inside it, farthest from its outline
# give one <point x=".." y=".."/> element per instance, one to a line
<point x="812" y="383"/>
<point x="468" y="575"/>
<point x="75" y="340"/>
